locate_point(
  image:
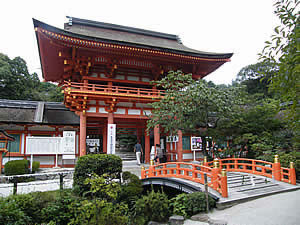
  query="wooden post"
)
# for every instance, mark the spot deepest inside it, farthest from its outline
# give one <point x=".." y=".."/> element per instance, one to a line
<point x="215" y="173"/>
<point x="292" y="174"/>
<point x="151" y="169"/>
<point x="110" y="118"/>
<point x="224" y="189"/>
<point x="276" y="169"/>
<point x="179" y="147"/>
<point x="147" y="147"/>
<point x="156" y="135"/>
<point x="61" y="181"/>
<point x="104" y="139"/>
<point x="206" y="192"/>
<point x="143" y="175"/>
<point x="82" y="134"/>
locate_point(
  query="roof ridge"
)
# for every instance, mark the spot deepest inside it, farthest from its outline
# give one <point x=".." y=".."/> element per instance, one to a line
<point x="122" y="28"/>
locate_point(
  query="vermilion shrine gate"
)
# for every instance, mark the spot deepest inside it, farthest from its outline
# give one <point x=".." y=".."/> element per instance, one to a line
<point x="105" y="71"/>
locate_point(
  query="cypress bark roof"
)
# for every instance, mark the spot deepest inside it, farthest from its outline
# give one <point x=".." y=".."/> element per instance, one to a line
<point x="21" y="111"/>
<point x="112" y="33"/>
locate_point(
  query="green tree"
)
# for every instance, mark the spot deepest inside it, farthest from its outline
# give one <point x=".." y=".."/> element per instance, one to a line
<point x="256" y="127"/>
<point x="284" y="50"/>
<point x="191" y="106"/>
<point x="18" y="84"/>
<point x="253" y="77"/>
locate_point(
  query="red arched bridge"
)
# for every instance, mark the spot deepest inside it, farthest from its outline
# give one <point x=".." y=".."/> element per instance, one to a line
<point x="217" y="173"/>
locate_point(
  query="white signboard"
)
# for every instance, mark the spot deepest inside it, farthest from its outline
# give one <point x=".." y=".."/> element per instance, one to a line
<point x="196" y="143"/>
<point x="68" y="143"/>
<point x="111" y="138"/>
<point x="43" y="145"/>
<point x="172" y="139"/>
<point x="93" y="142"/>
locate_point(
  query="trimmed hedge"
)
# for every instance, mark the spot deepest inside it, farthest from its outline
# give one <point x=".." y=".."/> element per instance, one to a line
<point x="35" y="166"/>
<point x="188" y="205"/>
<point x="19" y="167"/>
<point x="99" y="164"/>
<point x="16" y="167"/>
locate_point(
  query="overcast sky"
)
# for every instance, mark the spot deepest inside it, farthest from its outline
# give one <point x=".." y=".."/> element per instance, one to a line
<point x="238" y="26"/>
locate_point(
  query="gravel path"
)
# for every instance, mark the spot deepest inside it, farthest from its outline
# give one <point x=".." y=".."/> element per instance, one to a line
<point x="279" y="209"/>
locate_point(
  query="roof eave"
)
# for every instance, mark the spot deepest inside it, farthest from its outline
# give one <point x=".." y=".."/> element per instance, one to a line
<point x="45" y="26"/>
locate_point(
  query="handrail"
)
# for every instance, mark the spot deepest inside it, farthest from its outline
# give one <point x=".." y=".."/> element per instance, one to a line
<point x="245" y="165"/>
<point x="75" y="86"/>
<point x="217" y="175"/>
<point x="259" y="167"/>
<point x="188" y="171"/>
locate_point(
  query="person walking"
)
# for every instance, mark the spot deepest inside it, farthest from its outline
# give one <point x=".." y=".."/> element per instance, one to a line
<point x="138" y="152"/>
<point x="159" y="153"/>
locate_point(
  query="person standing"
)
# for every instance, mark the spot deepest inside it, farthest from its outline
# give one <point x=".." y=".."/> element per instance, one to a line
<point x="138" y="152"/>
<point x="159" y="154"/>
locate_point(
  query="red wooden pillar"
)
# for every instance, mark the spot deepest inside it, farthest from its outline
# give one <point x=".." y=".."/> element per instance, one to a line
<point x="277" y="169"/>
<point x="156" y="135"/>
<point x="224" y="188"/>
<point x="110" y="119"/>
<point x="292" y="174"/>
<point x="147" y="147"/>
<point x="82" y="150"/>
<point x="104" y="139"/>
<point x="179" y="147"/>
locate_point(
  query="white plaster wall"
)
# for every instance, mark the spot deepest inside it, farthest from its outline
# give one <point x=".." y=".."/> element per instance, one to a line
<point x="120" y="77"/>
<point x="142" y="105"/>
<point x="125" y="104"/>
<point x="44" y="160"/>
<point x="120" y="111"/>
<point x="145" y="79"/>
<point x="147" y="112"/>
<point x="92" y="109"/>
<point x="134" y="112"/>
<point x="102" y="110"/>
<point x="6" y="159"/>
<point x="134" y="78"/>
<point x="22" y="143"/>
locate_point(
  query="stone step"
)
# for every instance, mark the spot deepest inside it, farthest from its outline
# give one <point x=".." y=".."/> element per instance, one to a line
<point x="256" y="187"/>
<point x="243" y="180"/>
<point x="247" y="184"/>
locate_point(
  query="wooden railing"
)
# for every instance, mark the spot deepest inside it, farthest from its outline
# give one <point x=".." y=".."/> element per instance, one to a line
<point x="189" y="171"/>
<point x="259" y="167"/>
<point x="216" y="171"/>
<point x="74" y="87"/>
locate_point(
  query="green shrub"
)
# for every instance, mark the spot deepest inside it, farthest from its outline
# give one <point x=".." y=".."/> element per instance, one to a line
<point x="31" y="205"/>
<point x="100" y="212"/>
<point x="154" y="206"/>
<point x="61" y="210"/>
<point x="188" y="205"/>
<point x="98" y="164"/>
<point x="16" y="167"/>
<point x="11" y="214"/>
<point x="131" y="189"/>
<point x="35" y="166"/>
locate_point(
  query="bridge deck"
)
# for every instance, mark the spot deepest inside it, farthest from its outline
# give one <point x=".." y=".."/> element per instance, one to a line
<point x="241" y="187"/>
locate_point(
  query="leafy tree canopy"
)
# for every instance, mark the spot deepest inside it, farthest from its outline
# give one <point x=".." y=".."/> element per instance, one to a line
<point x="17" y="83"/>
<point x="189" y="105"/>
<point x="284" y="50"/>
<point x="253" y="77"/>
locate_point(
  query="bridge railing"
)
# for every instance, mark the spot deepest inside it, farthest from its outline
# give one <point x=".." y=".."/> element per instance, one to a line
<point x="259" y="167"/>
<point x="189" y="171"/>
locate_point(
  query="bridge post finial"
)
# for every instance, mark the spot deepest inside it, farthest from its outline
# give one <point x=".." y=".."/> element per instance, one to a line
<point x="276" y="168"/>
<point x="216" y="163"/>
<point x="276" y="159"/>
<point x="292" y="179"/>
<point x="224" y="188"/>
